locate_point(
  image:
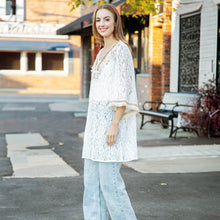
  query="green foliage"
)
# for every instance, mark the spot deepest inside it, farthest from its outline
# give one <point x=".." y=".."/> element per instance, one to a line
<point x="134" y="7"/>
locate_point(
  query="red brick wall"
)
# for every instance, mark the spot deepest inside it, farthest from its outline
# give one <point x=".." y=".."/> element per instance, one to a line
<point x="155" y="58"/>
<point x="165" y="80"/>
<point x="159" y="54"/>
<point x="52" y="12"/>
<point x="47" y="11"/>
<point x="40" y="83"/>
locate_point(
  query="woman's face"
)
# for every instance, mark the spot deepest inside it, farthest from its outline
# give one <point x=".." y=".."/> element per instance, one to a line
<point x="105" y="23"/>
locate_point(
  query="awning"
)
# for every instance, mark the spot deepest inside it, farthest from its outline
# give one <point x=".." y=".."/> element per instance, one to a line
<point x="76" y="26"/>
<point x="11" y="45"/>
<point x="82" y="23"/>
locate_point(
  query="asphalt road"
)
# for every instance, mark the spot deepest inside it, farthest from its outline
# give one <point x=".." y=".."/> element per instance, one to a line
<point x="191" y="196"/>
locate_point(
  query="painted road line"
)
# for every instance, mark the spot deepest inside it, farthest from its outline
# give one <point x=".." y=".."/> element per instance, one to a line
<point x="74" y="106"/>
<point x="32" y="163"/>
<point x="18" y="107"/>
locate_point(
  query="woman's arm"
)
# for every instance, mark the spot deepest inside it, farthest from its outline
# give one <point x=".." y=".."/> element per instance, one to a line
<point x="113" y="130"/>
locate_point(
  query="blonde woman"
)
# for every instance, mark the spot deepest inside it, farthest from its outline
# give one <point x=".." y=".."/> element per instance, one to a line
<point x="110" y="133"/>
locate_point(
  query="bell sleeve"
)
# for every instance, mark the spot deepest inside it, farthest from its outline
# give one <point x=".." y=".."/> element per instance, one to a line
<point x="123" y="85"/>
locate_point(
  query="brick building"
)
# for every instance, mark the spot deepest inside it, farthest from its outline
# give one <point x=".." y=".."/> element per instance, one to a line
<point x="195" y="48"/>
<point x="149" y="41"/>
<point x="155" y="81"/>
<point x="29" y="45"/>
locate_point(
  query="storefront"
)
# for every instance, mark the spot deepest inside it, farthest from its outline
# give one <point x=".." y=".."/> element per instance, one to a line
<point x="35" y="57"/>
<point x="136" y="32"/>
<point x="195" y="44"/>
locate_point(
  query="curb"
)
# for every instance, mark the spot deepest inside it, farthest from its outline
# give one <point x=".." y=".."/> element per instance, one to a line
<point x="40" y="91"/>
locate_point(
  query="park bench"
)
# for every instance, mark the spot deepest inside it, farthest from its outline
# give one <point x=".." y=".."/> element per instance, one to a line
<point x="169" y="108"/>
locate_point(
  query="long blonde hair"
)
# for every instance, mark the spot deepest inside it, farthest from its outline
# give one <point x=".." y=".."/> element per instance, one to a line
<point x="118" y="30"/>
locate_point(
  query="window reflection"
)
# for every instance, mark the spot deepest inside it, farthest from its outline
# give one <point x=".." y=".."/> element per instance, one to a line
<point x="138" y="42"/>
<point x="133" y="42"/>
<point x="144" y="57"/>
<point x="10" y="7"/>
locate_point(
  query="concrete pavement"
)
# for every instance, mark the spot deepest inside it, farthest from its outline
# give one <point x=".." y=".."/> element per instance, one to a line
<point x="183" y="157"/>
<point x="31" y="163"/>
<point x="166" y="159"/>
<point x="160" y="196"/>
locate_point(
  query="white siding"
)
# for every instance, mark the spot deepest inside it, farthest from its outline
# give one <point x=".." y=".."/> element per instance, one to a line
<point x="20" y="10"/>
<point x="2" y="8"/>
<point x="174" y="67"/>
<point x="208" y="39"/>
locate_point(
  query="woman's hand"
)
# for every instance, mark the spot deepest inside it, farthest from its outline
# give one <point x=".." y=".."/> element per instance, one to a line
<point x="113" y="130"/>
<point x="111" y="137"/>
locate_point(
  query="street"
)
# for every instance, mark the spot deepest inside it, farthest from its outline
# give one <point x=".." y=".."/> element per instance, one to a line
<point x="41" y="132"/>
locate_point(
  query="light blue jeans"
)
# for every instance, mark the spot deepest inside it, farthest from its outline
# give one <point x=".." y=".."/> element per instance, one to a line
<point x="105" y="192"/>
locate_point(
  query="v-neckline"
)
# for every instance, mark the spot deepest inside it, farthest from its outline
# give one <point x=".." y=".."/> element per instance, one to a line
<point x="100" y="61"/>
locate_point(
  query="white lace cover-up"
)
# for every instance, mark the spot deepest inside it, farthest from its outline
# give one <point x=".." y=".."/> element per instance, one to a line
<point x="113" y="85"/>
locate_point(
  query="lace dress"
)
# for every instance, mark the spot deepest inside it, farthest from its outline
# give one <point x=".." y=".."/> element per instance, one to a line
<point x="112" y="85"/>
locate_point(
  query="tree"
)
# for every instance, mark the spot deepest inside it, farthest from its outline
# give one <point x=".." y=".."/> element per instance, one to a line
<point x="136" y="7"/>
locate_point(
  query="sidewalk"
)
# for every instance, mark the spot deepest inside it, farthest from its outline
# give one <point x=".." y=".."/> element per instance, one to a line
<point x="42" y="144"/>
<point x="185" y="154"/>
<point x="158" y="153"/>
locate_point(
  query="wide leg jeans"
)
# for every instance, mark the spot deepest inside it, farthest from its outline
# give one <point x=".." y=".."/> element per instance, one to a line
<point x="105" y="192"/>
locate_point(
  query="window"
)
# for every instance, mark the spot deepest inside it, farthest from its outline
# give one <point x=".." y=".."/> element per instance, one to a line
<point x="189" y="52"/>
<point x="159" y="7"/>
<point x="31" y="61"/>
<point x="133" y="42"/>
<point x="52" y="61"/>
<point x="138" y="42"/>
<point x="10" y="7"/>
<point x="145" y="57"/>
<point x="95" y="1"/>
<point x="10" y="60"/>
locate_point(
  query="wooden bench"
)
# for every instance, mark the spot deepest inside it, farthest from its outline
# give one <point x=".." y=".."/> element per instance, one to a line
<point x="172" y="104"/>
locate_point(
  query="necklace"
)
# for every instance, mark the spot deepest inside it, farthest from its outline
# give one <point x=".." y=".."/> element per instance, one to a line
<point x="96" y="71"/>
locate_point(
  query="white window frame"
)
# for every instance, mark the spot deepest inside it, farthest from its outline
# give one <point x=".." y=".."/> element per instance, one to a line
<point x="20" y="11"/>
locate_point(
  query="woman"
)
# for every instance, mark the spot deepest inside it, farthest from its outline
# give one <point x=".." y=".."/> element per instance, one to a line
<point x="110" y="134"/>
